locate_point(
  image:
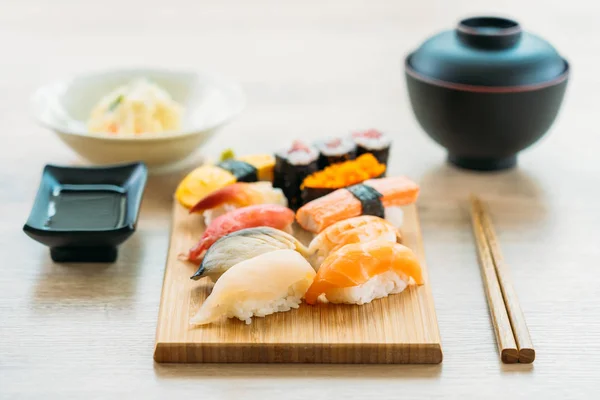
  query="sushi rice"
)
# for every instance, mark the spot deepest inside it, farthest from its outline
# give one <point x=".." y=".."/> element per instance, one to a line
<point x="377" y="287"/>
<point x="374" y="142"/>
<point x="246" y="309"/>
<point x="335" y="150"/>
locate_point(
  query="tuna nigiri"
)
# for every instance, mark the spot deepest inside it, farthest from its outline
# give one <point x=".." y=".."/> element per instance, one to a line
<point x="269" y="283"/>
<point x="361" y="272"/>
<point x="352" y="230"/>
<point x="237" y="195"/>
<point x="272" y="215"/>
<point x="367" y="198"/>
<point x="242" y="245"/>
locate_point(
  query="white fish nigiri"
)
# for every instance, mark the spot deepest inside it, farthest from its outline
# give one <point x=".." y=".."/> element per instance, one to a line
<point x="271" y="282"/>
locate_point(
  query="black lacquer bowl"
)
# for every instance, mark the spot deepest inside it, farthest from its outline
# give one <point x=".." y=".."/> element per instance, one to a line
<point x="485" y="90"/>
<point x="84" y="213"/>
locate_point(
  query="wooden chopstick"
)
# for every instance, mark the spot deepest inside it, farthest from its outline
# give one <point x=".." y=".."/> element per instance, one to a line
<point x="515" y="313"/>
<point x="507" y="347"/>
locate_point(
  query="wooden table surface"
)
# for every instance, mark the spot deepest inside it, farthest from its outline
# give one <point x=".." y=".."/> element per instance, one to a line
<point x="309" y="68"/>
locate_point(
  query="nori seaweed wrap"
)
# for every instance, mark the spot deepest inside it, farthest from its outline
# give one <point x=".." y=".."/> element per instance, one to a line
<point x="370" y="199"/>
<point x="243" y="171"/>
<point x="332" y="151"/>
<point x="374" y="142"/>
<point x="292" y="165"/>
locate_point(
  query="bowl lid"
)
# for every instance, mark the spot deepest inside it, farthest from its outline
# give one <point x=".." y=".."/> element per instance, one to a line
<point x="487" y="51"/>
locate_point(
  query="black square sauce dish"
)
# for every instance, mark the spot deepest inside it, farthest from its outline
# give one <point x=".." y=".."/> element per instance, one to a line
<point x="84" y="213"/>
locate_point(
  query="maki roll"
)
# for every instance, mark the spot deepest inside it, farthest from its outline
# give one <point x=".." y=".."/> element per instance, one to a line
<point x="374" y="142"/>
<point x="292" y="165"/>
<point x="332" y="151"/>
<point x="341" y="175"/>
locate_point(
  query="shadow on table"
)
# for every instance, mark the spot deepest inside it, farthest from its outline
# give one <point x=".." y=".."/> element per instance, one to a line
<point x="517" y="369"/>
<point x="313" y="371"/>
<point x="66" y="282"/>
<point x="509" y="191"/>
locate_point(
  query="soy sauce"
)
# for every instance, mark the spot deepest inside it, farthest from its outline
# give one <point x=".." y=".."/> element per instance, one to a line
<point x="86" y="207"/>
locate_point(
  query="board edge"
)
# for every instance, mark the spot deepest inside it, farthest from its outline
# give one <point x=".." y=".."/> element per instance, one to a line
<point x="429" y="284"/>
<point x="312" y="353"/>
<point x="165" y="271"/>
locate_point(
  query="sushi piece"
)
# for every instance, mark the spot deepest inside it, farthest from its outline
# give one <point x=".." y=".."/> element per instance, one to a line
<point x="352" y="230"/>
<point x="366" y="198"/>
<point x="374" y="142"/>
<point x="200" y="183"/>
<point x="292" y="165"/>
<point x="340" y="175"/>
<point x="208" y="178"/>
<point x="272" y="215"/>
<point x="264" y="164"/>
<point x="332" y="151"/>
<point x="361" y="272"/>
<point x="263" y="285"/>
<point x="237" y="195"/>
<point x="243" y="245"/>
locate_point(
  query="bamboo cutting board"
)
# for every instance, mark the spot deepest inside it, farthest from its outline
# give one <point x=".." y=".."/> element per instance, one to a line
<point x="399" y="329"/>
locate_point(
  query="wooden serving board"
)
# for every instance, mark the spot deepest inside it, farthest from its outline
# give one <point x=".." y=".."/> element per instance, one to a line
<point x="399" y="329"/>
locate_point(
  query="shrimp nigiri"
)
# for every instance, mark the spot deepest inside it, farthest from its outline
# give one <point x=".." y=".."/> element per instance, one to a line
<point x="352" y="230"/>
<point x="361" y="272"/>
<point x="275" y="216"/>
<point x="237" y="195"/>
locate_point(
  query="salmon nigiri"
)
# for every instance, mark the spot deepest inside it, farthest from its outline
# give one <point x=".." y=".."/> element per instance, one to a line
<point x="272" y="215"/>
<point x="344" y="203"/>
<point x="352" y="230"/>
<point x="361" y="272"/>
<point x="237" y="195"/>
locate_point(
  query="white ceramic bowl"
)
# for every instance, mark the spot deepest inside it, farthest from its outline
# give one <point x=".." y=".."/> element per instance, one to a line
<point x="209" y="100"/>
